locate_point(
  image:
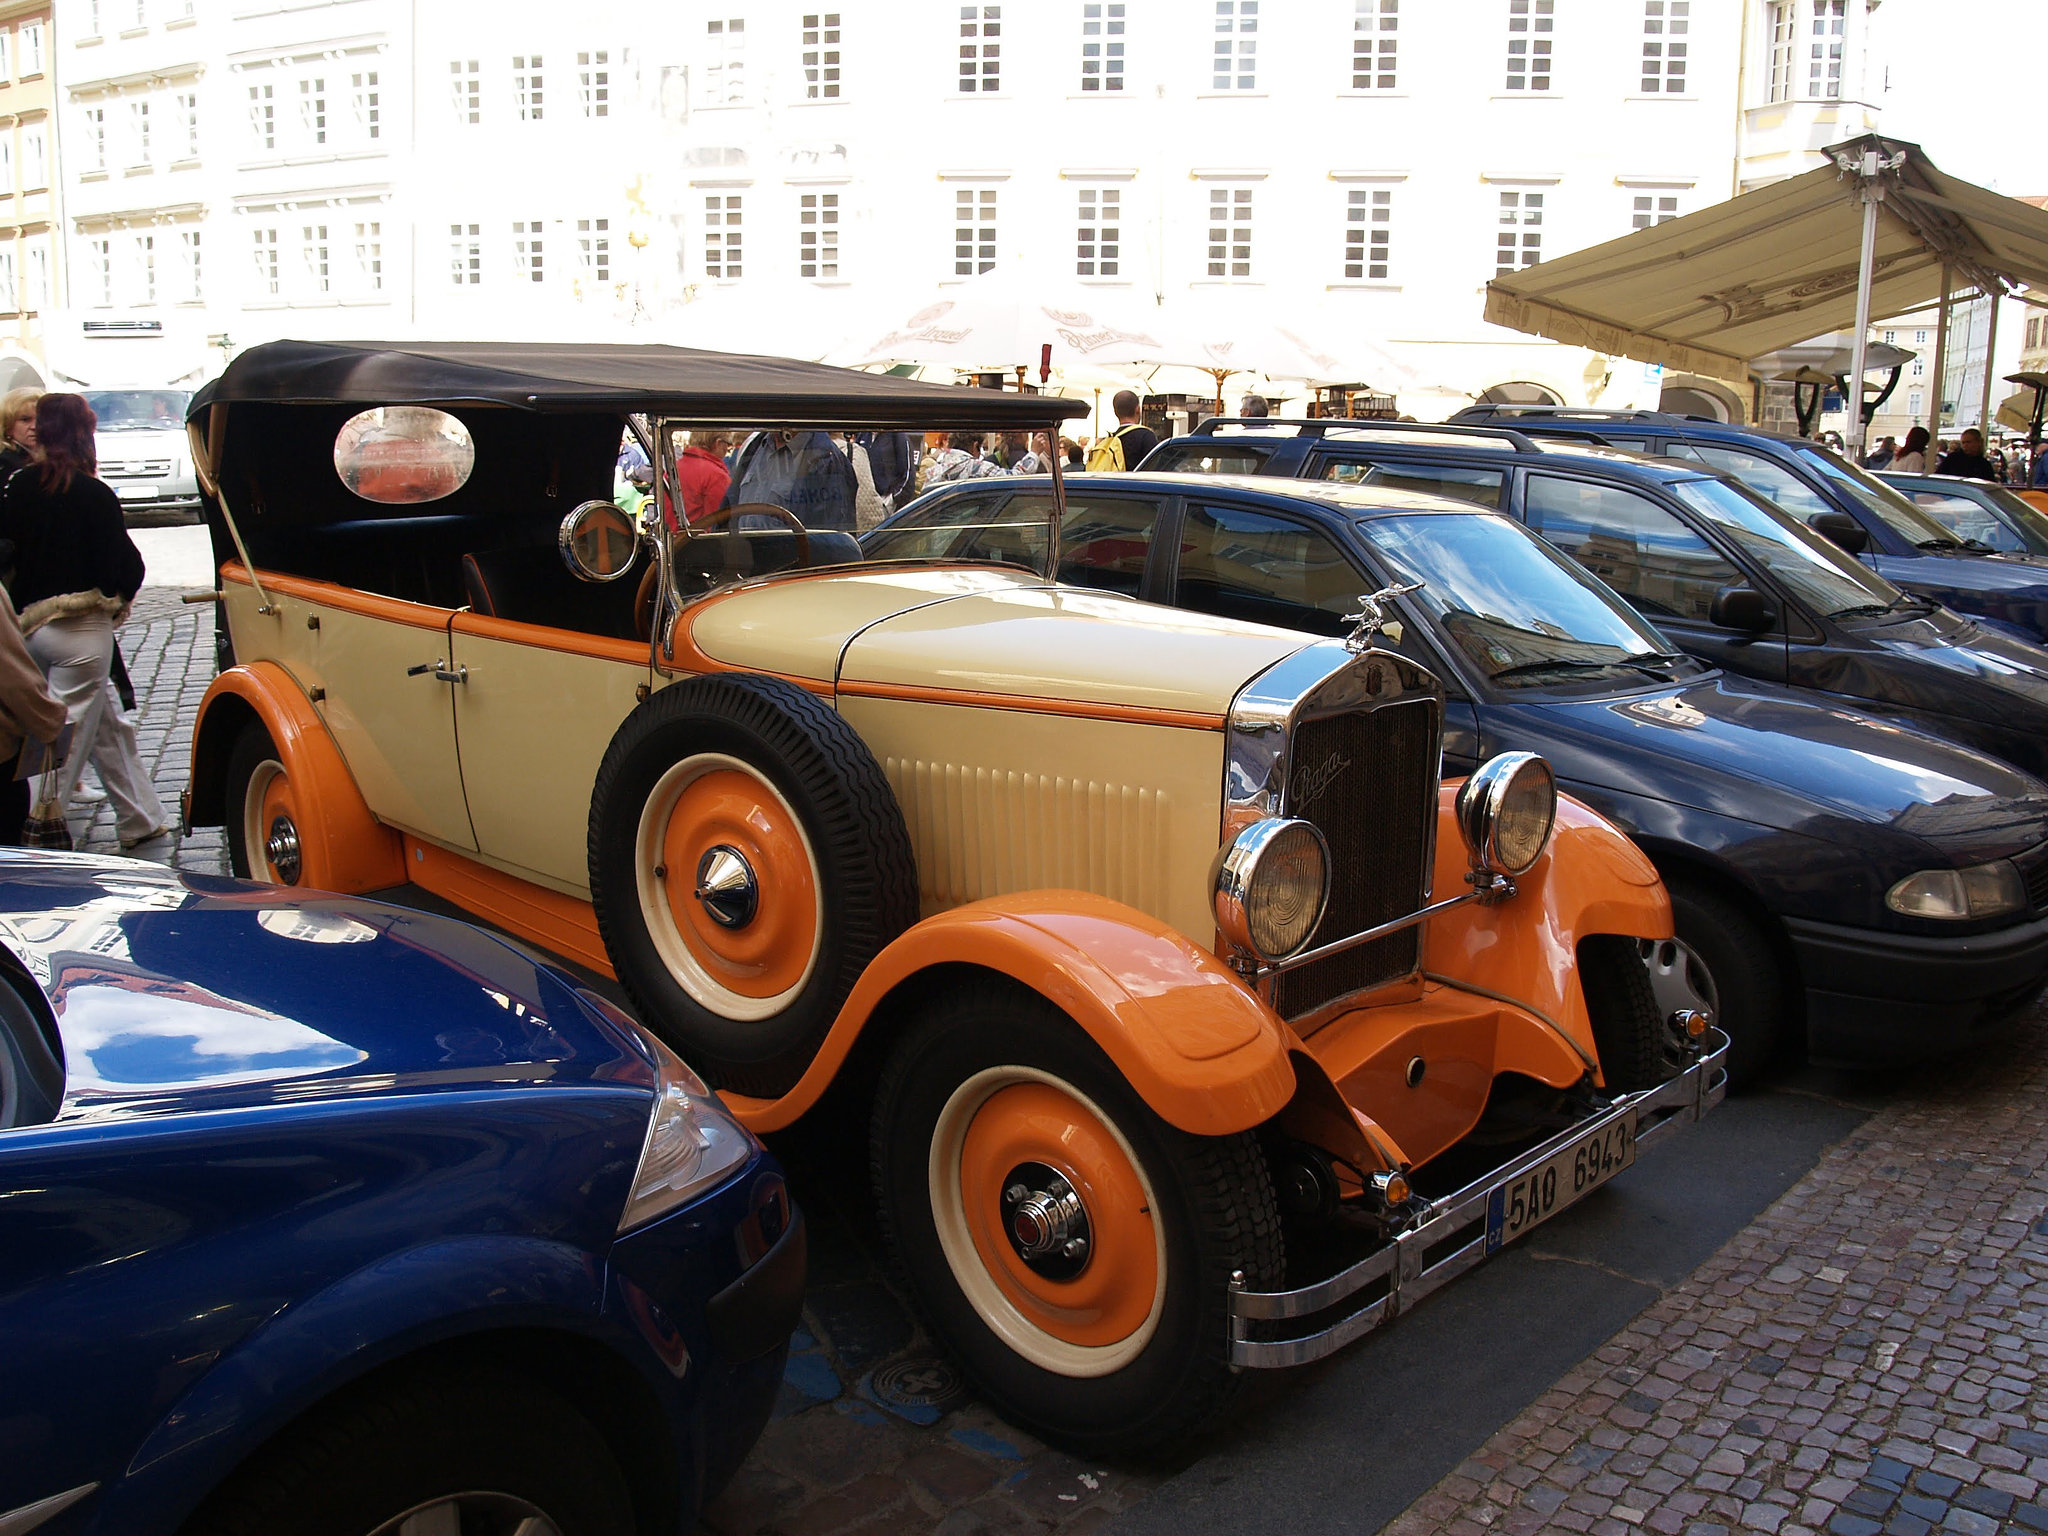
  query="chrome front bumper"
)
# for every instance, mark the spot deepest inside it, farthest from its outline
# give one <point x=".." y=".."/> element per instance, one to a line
<point x="1450" y="1239"/>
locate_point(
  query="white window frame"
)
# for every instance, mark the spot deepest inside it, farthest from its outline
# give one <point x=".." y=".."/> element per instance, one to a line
<point x="529" y="251"/>
<point x="725" y="68"/>
<point x="818" y="225"/>
<point x="8" y="296"/>
<point x="1369" y="233"/>
<point x="529" y="86"/>
<point x="314" y="123"/>
<point x="6" y="164"/>
<point x="1098" y="232"/>
<point x="1513" y="207"/>
<point x="1667" y="32"/>
<point x="977" y="228"/>
<point x="466" y="255"/>
<point x="1375" y="46"/>
<point x="820" y="31"/>
<point x="1230" y="228"/>
<point x="263" y="114"/>
<point x="369" y="255"/>
<point x="980" y="67"/>
<point x="1781" y="40"/>
<point x="95" y="120"/>
<point x="594" y="81"/>
<point x="1234" y="56"/>
<point x="366" y="101"/>
<point x="188" y="120"/>
<point x="142" y="253"/>
<point x="32" y="48"/>
<point x="316" y="253"/>
<point x="138" y="130"/>
<point x="191" y="251"/>
<point x="35" y="157"/>
<point x="1531" y="58"/>
<point x="725" y="235"/>
<point x="465" y="77"/>
<point x="38" y="275"/>
<point x="1103" y="38"/>
<point x="269" y="270"/>
<point x="1827" y="46"/>
<point x="1650" y="206"/>
<point x="594" y="249"/>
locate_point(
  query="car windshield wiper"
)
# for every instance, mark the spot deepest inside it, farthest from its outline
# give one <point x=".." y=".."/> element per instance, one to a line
<point x="1642" y="661"/>
<point x="1938" y="544"/>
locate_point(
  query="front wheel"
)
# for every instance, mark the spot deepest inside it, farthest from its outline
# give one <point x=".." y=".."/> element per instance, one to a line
<point x="1739" y="972"/>
<point x="1072" y="1249"/>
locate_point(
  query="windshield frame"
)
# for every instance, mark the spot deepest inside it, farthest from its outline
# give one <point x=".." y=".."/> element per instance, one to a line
<point x="2020" y="516"/>
<point x="174" y="423"/>
<point x="1881" y="501"/>
<point x="1620" y="677"/>
<point x="1794" y="535"/>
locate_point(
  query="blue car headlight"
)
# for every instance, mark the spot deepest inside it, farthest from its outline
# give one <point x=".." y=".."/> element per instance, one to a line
<point x="691" y="1143"/>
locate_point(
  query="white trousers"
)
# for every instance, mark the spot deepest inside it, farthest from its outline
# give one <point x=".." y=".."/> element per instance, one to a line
<point x="74" y="653"/>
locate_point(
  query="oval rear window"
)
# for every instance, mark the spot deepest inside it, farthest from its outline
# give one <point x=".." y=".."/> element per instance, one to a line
<point x="403" y="454"/>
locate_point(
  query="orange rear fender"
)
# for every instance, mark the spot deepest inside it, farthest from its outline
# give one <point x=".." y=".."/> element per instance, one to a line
<point x="1198" y="1047"/>
<point x="1592" y="880"/>
<point x="343" y="847"/>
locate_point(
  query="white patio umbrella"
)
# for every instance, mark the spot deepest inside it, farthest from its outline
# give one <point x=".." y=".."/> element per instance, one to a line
<point x="1004" y="320"/>
<point x="1303" y="348"/>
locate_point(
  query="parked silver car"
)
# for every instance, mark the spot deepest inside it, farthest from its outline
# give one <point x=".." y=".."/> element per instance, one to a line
<point x="143" y="453"/>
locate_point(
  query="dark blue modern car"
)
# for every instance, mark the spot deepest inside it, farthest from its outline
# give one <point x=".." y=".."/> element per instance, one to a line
<point x="1828" y="493"/>
<point x="1730" y="577"/>
<point x="1875" y="889"/>
<point x="325" y="1217"/>
<point x="1976" y="511"/>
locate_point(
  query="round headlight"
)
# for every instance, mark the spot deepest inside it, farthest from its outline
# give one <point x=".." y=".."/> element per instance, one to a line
<point x="1271" y="886"/>
<point x="1506" y="811"/>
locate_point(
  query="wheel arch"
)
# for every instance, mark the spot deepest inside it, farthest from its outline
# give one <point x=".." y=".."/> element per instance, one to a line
<point x="1687" y="863"/>
<point x="1206" y="1055"/>
<point x="345" y="847"/>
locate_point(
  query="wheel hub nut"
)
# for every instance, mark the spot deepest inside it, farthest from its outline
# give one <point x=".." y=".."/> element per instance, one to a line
<point x="1046" y="1221"/>
<point x="281" y="848"/>
<point x="727" y="887"/>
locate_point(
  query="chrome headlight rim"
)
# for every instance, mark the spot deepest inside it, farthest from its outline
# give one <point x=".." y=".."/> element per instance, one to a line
<point x="1974" y="893"/>
<point x="1238" y="871"/>
<point x="1483" y="800"/>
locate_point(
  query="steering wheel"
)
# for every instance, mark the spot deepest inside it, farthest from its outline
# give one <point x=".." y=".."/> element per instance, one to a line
<point x="725" y="516"/>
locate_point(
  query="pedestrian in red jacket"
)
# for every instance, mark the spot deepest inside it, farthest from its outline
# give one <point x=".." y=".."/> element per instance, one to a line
<point x="702" y="477"/>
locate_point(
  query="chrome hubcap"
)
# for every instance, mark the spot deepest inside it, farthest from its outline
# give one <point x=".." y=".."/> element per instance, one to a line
<point x="281" y="848"/>
<point x="1682" y="986"/>
<point x="472" y="1514"/>
<point x="727" y="887"/>
<point x="1046" y="1221"/>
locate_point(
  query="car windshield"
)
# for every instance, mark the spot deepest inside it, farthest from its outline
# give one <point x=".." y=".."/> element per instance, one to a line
<point x="1818" y="574"/>
<point x="1884" y="503"/>
<point x="1208" y="458"/>
<point x="122" y="410"/>
<point x="1989" y="514"/>
<point x="1523" y="615"/>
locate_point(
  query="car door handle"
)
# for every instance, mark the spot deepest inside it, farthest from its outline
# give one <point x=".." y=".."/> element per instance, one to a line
<point x="438" y="669"/>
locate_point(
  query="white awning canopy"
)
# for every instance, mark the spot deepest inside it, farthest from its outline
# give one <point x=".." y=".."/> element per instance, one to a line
<point x="1707" y="292"/>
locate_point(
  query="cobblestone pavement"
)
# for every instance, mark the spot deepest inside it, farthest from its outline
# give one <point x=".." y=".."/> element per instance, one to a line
<point x="1862" y="1360"/>
<point x="1866" y="1358"/>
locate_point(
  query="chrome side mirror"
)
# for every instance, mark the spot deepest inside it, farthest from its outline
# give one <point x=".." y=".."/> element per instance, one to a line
<point x="598" y="542"/>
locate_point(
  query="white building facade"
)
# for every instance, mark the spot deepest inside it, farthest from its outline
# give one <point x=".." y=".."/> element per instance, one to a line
<point x="1347" y="168"/>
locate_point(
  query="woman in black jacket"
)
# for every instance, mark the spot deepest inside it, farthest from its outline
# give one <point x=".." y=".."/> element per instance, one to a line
<point x="75" y="573"/>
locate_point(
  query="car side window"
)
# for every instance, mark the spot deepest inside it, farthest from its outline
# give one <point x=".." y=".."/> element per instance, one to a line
<point x="1104" y="540"/>
<point x="956" y="528"/>
<point x="1967" y="520"/>
<point x="1269" y="570"/>
<point x="1767" y="478"/>
<point x="1638" y="548"/>
<point x="1482" y="487"/>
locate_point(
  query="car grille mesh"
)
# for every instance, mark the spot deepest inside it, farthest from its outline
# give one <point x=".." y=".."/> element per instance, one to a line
<point x="1368" y="780"/>
<point x="2034" y="869"/>
<point x="139" y="469"/>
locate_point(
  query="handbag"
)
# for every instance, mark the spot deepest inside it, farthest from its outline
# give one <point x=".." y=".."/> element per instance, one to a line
<point x="46" y="827"/>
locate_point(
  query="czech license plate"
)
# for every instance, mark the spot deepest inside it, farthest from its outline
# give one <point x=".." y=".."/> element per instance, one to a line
<point x="136" y="491"/>
<point x="1536" y="1196"/>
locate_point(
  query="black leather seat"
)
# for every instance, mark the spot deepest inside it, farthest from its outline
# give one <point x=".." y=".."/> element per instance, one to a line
<point x="533" y="586"/>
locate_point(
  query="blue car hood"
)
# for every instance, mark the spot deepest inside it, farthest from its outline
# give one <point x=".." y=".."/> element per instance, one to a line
<point x="176" y="991"/>
<point x="1775" y="757"/>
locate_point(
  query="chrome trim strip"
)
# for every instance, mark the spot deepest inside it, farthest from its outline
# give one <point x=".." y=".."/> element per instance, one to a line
<point x="28" y="1516"/>
<point x="1405" y="1265"/>
<point x="1366" y="936"/>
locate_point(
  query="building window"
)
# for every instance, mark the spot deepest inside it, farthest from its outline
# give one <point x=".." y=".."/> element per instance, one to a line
<point x="145" y="269"/>
<point x="263" y="115"/>
<point x="1784" y="25"/>
<point x="1824" y="57"/>
<point x="526" y="86"/>
<point x="370" y="257"/>
<point x="981" y="48"/>
<point x="313" y="108"/>
<point x="39" y="276"/>
<point x="1916" y="402"/>
<point x="818" y="234"/>
<point x="1891" y="338"/>
<point x="188" y="249"/>
<point x="1919" y="368"/>
<point x="594" y="239"/>
<point x="1230" y="231"/>
<point x="7" y="280"/>
<point x="1098" y="242"/>
<point x="1520" y="241"/>
<point x="266" y="262"/>
<point x="1919" y="338"/>
<point x="6" y="164"/>
<point x="7" y="51"/>
<point x="188" y="122"/>
<point x="725" y="69"/>
<point x="821" y="56"/>
<point x="465" y="254"/>
<point x="1529" y="24"/>
<point x="96" y="137"/>
<point x="138" y="131"/>
<point x="528" y="260"/>
<point x="368" y="100"/>
<point x="1236" y="63"/>
<point x="313" y="248"/>
<point x="32" y="48"/>
<point x="1368" y="233"/>
<point x="724" y="256"/>
<point x="594" y="82"/>
<point x="1102" y="47"/>
<point x="467" y="80"/>
<point x="35" y="159"/>
<point x="1373" y="60"/>
<point x="1652" y="208"/>
<point x="1665" y="23"/>
<point x="100" y="258"/>
<point x="974" y="230"/>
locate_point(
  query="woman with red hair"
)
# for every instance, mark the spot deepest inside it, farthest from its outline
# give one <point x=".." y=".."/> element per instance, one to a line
<point x="75" y="573"/>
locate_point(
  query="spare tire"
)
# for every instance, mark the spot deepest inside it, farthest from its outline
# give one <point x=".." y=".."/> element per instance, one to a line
<point x="747" y="860"/>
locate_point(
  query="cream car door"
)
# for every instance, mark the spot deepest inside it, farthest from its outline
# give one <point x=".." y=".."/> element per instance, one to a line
<point x="535" y="710"/>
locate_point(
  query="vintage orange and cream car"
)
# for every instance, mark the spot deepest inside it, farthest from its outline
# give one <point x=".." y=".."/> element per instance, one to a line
<point x="1117" y="920"/>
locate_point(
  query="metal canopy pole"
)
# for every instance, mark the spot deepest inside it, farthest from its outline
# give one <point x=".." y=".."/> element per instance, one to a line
<point x="1872" y="193"/>
<point x="1940" y="364"/>
<point x="1990" y="352"/>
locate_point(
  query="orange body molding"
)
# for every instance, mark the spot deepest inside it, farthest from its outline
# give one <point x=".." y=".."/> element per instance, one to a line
<point x="1199" y="1048"/>
<point x="342" y="846"/>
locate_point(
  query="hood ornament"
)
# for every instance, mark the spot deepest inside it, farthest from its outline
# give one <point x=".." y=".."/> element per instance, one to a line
<point x="1374" y="614"/>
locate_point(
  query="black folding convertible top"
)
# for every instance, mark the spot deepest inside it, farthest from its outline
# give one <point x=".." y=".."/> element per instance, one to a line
<point x="709" y="387"/>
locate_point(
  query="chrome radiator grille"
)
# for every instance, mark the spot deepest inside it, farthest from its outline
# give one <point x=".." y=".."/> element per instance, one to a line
<point x="1368" y="780"/>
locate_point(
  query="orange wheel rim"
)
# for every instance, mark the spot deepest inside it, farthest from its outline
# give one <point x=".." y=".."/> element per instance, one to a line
<point x="1042" y="1124"/>
<point x="270" y="797"/>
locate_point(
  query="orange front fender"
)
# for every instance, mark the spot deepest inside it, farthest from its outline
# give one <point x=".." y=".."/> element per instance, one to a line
<point x="1592" y="880"/>
<point x="1199" y="1048"/>
<point x="344" y="847"/>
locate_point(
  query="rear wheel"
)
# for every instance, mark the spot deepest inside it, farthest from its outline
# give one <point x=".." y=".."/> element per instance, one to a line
<point x="262" y="812"/>
<point x="1071" y="1248"/>
<point x="433" y="1456"/>
<point x="1637" y="1044"/>
<point x="1741" y="974"/>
